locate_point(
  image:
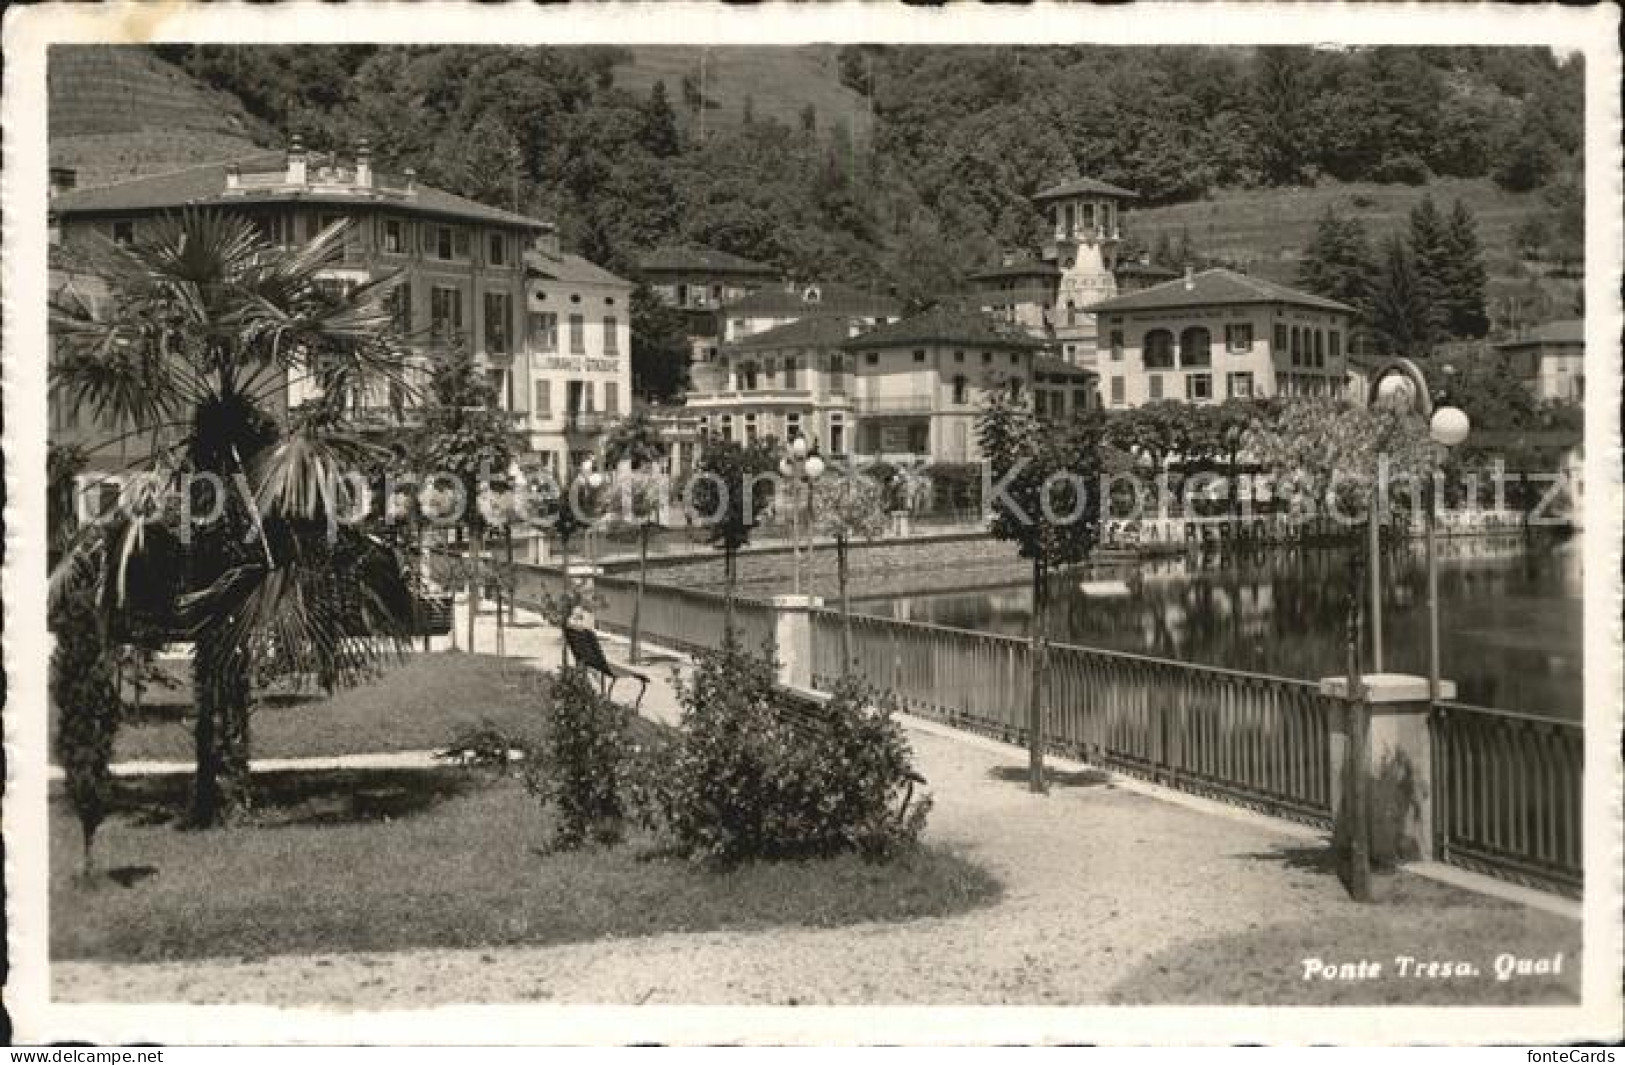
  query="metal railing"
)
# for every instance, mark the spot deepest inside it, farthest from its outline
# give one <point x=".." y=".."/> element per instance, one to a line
<point x="679" y="618"/>
<point x="918" y="404"/>
<point x="1508" y="794"/>
<point x="1256" y="740"/>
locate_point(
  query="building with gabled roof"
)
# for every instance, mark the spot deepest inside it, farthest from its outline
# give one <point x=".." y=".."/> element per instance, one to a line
<point x="541" y="323"/>
<point x="699" y="281"/>
<point x="1550" y="359"/>
<point x="1219" y="334"/>
<point x="769" y="308"/>
<point x="905" y="391"/>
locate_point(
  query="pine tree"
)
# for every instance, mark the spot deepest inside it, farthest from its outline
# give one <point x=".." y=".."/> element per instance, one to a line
<point x="1163" y="253"/>
<point x="659" y="133"/>
<point x="1465" y="276"/>
<point x="1430" y="258"/>
<point x="1403" y="320"/>
<point x="1337" y="261"/>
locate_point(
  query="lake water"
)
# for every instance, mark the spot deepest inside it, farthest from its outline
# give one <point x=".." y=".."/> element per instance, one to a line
<point x="1510" y="615"/>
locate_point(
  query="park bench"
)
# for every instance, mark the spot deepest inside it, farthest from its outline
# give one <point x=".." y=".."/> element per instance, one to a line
<point x="804" y="712"/>
<point x="589" y="653"/>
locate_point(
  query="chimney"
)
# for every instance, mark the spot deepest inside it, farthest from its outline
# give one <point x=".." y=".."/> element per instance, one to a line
<point x="411" y="180"/>
<point x="63" y="179"/>
<point x="234" y="176"/>
<point x="1190" y="277"/>
<point x="297" y="174"/>
<point x="363" y="164"/>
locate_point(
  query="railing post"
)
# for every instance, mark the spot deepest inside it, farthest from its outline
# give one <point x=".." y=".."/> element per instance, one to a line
<point x="792" y="637"/>
<point x="1399" y="763"/>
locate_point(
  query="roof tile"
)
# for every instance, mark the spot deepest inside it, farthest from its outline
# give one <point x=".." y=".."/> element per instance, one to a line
<point x="693" y="257"/>
<point x="1217" y="286"/>
<point x="946" y="324"/>
<point x="1082" y="186"/>
<point x="206" y="186"/>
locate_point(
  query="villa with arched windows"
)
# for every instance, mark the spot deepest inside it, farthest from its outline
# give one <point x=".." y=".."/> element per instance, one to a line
<point x="1218" y="335"/>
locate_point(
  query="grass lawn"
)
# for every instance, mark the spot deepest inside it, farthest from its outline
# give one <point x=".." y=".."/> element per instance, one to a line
<point x="439" y="858"/>
<point x="420" y="703"/>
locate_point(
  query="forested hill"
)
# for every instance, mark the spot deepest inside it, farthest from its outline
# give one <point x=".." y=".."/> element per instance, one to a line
<point x="961" y="136"/>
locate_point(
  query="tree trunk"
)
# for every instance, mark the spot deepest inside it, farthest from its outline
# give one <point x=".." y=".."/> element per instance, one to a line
<point x="566" y="607"/>
<point x="1035" y="701"/>
<point x="1356" y="753"/>
<point x="637" y="598"/>
<point x="476" y="557"/>
<point x="846" y="604"/>
<point x="220" y="785"/>
<point x="728" y="596"/>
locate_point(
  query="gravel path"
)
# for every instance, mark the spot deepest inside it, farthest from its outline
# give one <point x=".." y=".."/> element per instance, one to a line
<point x="1101" y="882"/>
<point x="1110" y="895"/>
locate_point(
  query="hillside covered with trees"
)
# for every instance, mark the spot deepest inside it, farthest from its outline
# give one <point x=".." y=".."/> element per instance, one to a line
<point x="959" y="139"/>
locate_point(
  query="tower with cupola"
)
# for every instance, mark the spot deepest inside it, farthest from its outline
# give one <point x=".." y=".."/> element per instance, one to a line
<point x="1085" y="222"/>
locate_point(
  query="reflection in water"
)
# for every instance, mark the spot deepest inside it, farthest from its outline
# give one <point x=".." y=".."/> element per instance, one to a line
<point x="1510" y="616"/>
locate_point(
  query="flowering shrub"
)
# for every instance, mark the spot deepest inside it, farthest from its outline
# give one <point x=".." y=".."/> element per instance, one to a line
<point x="576" y="768"/>
<point x="749" y="777"/>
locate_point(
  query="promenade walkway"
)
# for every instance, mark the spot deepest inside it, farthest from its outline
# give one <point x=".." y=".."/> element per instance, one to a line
<point x="1112" y="894"/>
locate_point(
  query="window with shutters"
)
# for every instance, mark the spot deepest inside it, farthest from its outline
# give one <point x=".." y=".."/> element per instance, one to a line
<point x="446" y="312"/>
<point x="543" y="407"/>
<point x="498" y="323"/>
<point x="1199" y="387"/>
<point x="1238" y="336"/>
<point x="612" y="344"/>
<point x="1117" y="391"/>
<point x="612" y="397"/>
<point x="578" y="335"/>
<point x="544" y="330"/>
<point x="1196" y="347"/>
<point x="1157" y="349"/>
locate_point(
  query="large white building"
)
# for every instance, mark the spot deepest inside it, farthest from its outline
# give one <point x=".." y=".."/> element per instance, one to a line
<point x="1218" y="334"/>
<point x="907" y="391"/>
<point x="550" y="329"/>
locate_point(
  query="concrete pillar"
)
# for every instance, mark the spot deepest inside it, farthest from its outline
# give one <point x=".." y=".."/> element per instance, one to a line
<point x="792" y="632"/>
<point x="1400" y="766"/>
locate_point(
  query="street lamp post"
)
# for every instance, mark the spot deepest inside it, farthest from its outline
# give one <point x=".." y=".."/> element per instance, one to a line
<point x="1447" y="428"/>
<point x="801" y="469"/>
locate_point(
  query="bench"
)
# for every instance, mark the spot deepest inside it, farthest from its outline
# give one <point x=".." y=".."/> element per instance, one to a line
<point x="589" y="653"/>
<point x="804" y="712"/>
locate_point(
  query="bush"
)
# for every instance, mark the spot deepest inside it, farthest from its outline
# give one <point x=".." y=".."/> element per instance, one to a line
<point x="1403" y="169"/>
<point x="576" y="768"/>
<point x="84" y="687"/>
<point x="743" y="782"/>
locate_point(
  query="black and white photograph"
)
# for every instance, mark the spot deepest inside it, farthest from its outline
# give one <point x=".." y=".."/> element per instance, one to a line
<point x="693" y="507"/>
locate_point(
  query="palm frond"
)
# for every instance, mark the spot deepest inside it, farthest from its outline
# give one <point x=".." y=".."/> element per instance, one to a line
<point x="337" y="611"/>
<point x="308" y="474"/>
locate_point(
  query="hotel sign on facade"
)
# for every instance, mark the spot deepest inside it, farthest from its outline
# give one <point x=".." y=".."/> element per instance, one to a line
<point x="577" y="364"/>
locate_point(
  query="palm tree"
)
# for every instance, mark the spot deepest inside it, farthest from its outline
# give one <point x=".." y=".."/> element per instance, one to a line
<point x="206" y="328"/>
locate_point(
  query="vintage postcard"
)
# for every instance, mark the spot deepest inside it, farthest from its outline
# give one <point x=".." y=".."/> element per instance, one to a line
<point x="845" y="523"/>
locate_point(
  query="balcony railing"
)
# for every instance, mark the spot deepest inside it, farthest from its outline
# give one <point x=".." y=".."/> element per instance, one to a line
<point x="751" y="395"/>
<point x="894" y="404"/>
<point x="585" y="422"/>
